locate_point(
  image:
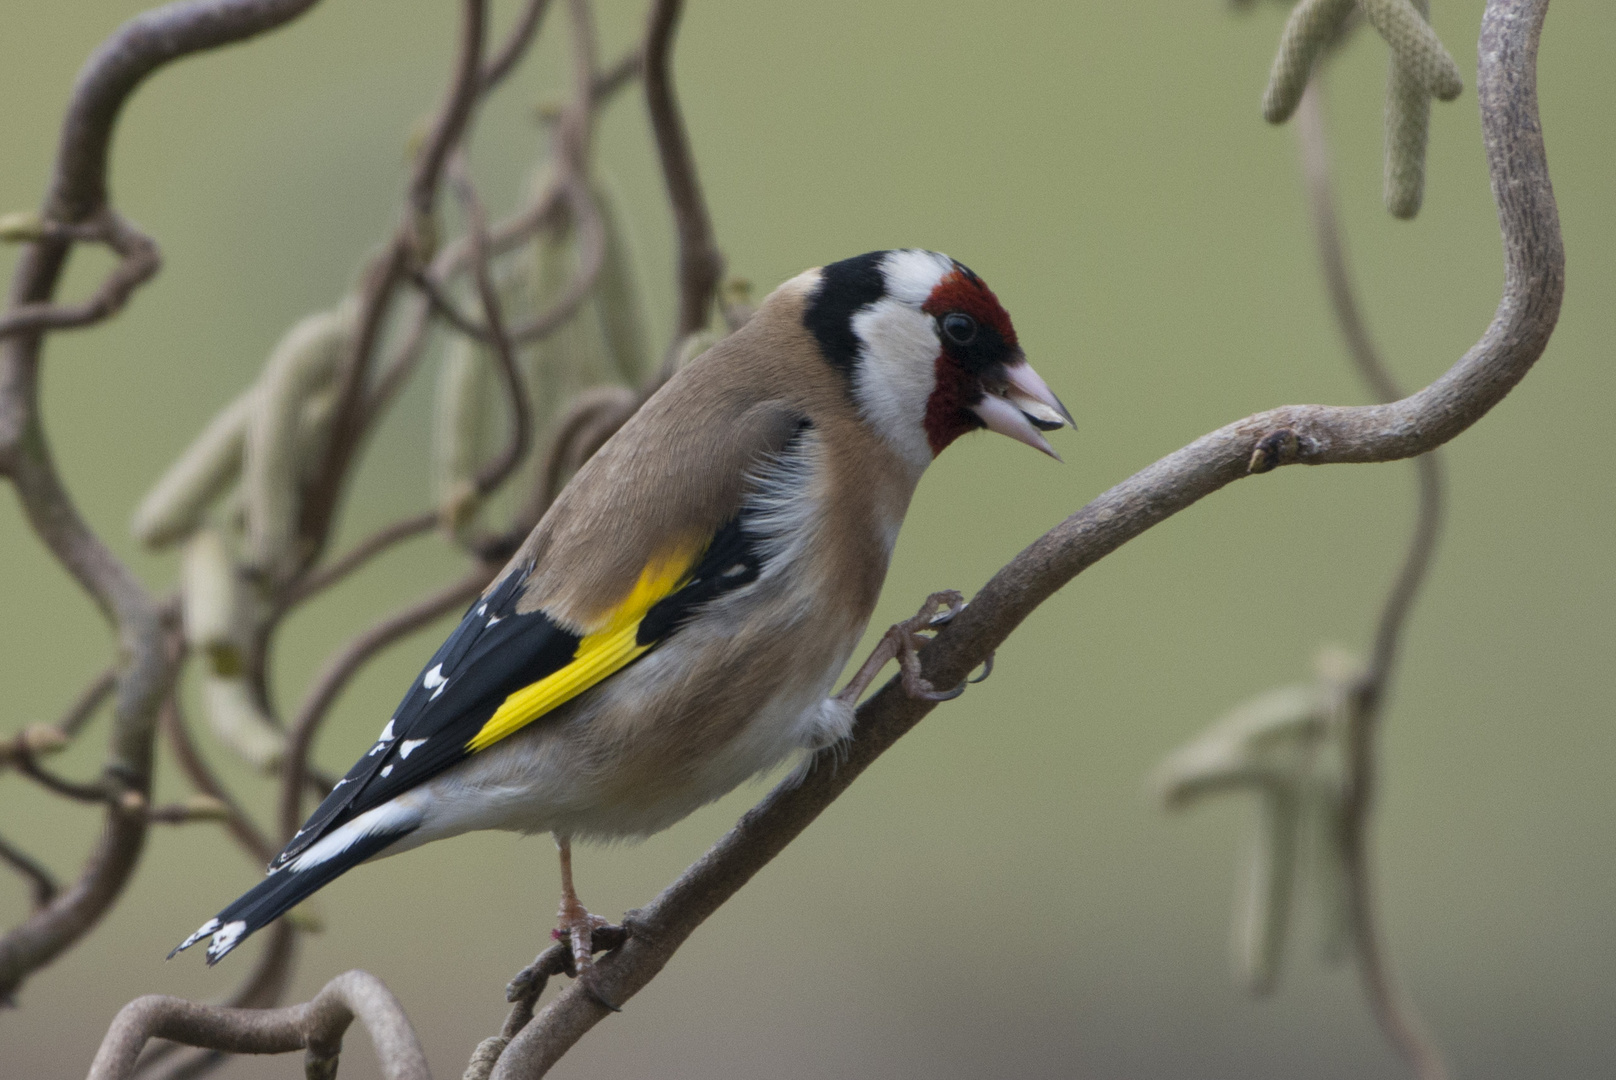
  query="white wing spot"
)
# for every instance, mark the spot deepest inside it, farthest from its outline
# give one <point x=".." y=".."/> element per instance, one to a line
<point x="482" y="609"/>
<point x="492" y="619"/>
<point x="434" y="677"/>
<point x="407" y="747"/>
<point x="387" y="733"/>
<point x="387" y="770"/>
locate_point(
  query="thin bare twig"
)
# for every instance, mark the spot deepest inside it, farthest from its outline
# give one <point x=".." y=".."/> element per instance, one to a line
<point x="267" y="980"/>
<point x="701" y="264"/>
<point x="89" y="700"/>
<point x="78" y="193"/>
<point x="202" y="777"/>
<point x="572" y="143"/>
<point x="138" y="263"/>
<point x="96" y="791"/>
<point x="344" y="665"/>
<point x="444" y="307"/>
<point x="41" y="882"/>
<point x="494" y="473"/>
<point x="357" y="556"/>
<point x="411" y="245"/>
<point x="1526" y="315"/>
<point x="510" y="54"/>
<point x="1396" y="1014"/>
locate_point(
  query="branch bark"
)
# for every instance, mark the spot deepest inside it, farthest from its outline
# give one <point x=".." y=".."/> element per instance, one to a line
<point x="78" y="192"/>
<point x="317" y="1027"/>
<point x="1311" y="434"/>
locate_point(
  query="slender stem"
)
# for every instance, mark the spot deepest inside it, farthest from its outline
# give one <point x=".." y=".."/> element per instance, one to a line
<point x="202" y="777"/>
<point x="89" y="700"/>
<point x="343" y="666"/>
<point x="37" y="875"/>
<point x="357" y="556"/>
<point x="510" y="54"/>
<point x="1398" y="1018"/>
<point x="410" y="246"/>
<point x="701" y="264"/>
<point x="496" y="471"/>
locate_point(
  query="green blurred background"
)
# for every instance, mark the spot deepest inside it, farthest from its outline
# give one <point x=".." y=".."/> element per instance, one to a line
<point x="998" y="895"/>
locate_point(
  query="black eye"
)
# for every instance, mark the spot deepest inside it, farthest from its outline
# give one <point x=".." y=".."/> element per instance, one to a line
<point x="960" y="327"/>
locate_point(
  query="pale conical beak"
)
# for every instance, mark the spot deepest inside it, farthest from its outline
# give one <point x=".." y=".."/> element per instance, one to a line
<point x="1023" y="408"/>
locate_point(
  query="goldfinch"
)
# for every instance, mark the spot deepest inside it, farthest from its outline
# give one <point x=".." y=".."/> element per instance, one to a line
<point x="675" y="623"/>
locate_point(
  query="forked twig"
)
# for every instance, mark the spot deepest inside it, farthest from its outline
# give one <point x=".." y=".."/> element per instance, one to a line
<point x="1396" y="1014"/>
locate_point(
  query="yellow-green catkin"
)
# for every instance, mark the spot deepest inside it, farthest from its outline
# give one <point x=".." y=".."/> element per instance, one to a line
<point x="214" y="615"/>
<point x="1415" y="47"/>
<point x="461" y="421"/>
<point x="1263" y="914"/>
<point x="238" y="722"/>
<point x="1408" y="123"/>
<point x="617" y="301"/>
<point x="1312" y="26"/>
<point x="301" y="365"/>
<point x="1328" y="872"/>
<point x="211" y="601"/>
<point x="575" y="356"/>
<point x="178" y="502"/>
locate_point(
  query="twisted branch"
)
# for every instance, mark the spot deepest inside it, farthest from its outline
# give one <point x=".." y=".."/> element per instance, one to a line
<point x="1395" y="1013"/>
<point x="316" y="1027"/>
<point x="1310" y="434"/>
<point x="78" y="193"/>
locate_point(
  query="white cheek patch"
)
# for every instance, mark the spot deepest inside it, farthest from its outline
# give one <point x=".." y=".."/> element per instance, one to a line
<point x="896" y="374"/>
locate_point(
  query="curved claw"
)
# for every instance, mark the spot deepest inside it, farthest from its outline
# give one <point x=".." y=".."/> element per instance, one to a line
<point x="956" y="604"/>
<point x="923" y="690"/>
<point x="987" y="669"/>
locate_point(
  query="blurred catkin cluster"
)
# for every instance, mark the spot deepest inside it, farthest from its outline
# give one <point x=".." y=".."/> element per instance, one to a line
<point x="1421" y="69"/>
<point x="1286" y="747"/>
<point x="234" y="499"/>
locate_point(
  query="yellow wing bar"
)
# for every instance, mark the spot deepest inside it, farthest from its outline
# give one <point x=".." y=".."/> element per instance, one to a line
<point x="609" y="647"/>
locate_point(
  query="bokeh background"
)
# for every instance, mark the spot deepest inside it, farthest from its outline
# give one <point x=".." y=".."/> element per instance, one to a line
<point x="998" y="895"/>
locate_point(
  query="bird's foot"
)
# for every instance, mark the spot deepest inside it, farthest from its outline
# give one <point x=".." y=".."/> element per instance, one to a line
<point x="576" y="929"/>
<point x="902" y="642"/>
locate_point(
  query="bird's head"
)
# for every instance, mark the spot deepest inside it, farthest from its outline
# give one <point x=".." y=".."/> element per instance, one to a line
<point x="929" y="352"/>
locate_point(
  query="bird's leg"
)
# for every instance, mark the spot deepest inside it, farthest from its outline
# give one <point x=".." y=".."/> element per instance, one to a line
<point x="902" y="642"/>
<point x="578" y="926"/>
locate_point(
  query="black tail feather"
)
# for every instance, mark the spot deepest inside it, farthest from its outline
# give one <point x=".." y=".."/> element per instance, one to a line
<point x="277" y="894"/>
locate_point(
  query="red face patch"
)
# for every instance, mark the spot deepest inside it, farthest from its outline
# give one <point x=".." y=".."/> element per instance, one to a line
<point x="961" y="363"/>
<point x="948" y="414"/>
<point x="963" y="291"/>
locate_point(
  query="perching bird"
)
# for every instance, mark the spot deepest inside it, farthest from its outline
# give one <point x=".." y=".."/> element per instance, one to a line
<point x="675" y="623"/>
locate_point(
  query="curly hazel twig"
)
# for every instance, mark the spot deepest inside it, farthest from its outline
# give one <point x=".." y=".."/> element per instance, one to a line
<point x="1396" y="1014"/>
<point x="316" y="1028"/>
<point x="77" y="193"/>
<point x="1315" y="434"/>
<point x="701" y="264"/>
